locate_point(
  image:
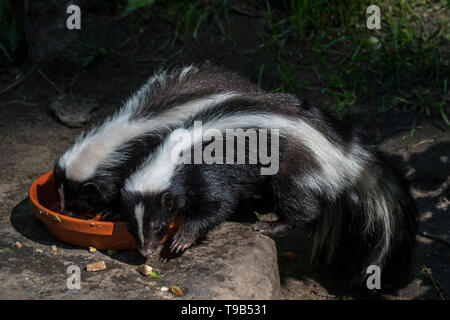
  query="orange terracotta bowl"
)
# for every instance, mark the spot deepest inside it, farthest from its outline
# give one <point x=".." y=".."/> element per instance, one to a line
<point x="85" y="233"/>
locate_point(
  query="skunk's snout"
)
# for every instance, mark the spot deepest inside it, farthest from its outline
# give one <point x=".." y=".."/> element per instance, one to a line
<point x="145" y="252"/>
<point x="148" y="252"/>
<point x="150" y="248"/>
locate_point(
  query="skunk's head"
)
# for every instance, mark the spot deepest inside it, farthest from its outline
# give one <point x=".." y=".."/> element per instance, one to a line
<point x="82" y="197"/>
<point x="149" y="217"/>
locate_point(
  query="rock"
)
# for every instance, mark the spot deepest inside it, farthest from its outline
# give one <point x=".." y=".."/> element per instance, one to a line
<point x="72" y="113"/>
<point x="145" y="270"/>
<point x="232" y="262"/>
<point x="176" y="290"/>
<point x="96" y="266"/>
<point x="53" y="250"/>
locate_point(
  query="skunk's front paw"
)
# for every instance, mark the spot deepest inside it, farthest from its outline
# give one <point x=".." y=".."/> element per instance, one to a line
<point x="271" y="229"/>
<point x="262" y="227"/>
<point x="183" y="239"/>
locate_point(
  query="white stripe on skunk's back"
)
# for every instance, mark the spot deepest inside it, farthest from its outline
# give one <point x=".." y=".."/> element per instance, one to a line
<point x="98" y="146"/>
<point x="339" y="169"/>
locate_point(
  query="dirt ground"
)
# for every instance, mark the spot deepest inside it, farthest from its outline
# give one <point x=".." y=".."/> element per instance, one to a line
<point x="31" y="140"/>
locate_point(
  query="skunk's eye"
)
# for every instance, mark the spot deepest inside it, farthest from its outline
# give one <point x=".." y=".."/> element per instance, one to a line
<point x="167" y="201"/>
<point x="89" y="188"/>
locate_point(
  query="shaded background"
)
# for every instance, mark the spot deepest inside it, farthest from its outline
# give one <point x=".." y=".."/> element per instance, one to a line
<point x="392" y="83"/>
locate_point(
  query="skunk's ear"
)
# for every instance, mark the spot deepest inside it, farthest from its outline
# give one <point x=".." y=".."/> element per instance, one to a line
<point x="93" y="188"/>
<point x="167" y="201"/>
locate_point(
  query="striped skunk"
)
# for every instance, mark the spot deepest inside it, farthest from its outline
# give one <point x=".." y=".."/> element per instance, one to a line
<point x="358" y="209"/>
<point x="89" y="175"/>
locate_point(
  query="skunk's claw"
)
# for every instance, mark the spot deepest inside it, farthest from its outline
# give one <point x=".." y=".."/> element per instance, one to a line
<point x="182" y="240"/>
<point x="163" y="259"/>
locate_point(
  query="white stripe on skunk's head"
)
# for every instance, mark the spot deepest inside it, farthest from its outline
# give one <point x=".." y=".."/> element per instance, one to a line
<point x="59" y="179"/>
<point x="139" y="216"/>
<point x="149" y="218"/>
<point x="61" y="201"/>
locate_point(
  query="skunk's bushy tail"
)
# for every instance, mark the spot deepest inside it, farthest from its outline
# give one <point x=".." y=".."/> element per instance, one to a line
<point x="373" y="223"/>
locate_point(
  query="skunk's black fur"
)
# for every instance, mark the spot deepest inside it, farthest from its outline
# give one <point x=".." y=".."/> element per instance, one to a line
<point x="358" y="208"/>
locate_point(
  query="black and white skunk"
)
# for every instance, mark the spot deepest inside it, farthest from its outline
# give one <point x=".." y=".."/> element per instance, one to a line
<point x="89" y="175"/>
<point x="359" y="210"/>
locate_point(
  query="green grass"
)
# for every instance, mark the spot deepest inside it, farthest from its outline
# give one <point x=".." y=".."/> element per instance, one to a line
<point x="133" y="5"/>
<point x="403" y="65"/>
<point x="95" y="51"/>
<point x="10" y="32"/>
<point x="318" y="47"/>
<point x="406" y="62"/>
<point x="185" y="16"/>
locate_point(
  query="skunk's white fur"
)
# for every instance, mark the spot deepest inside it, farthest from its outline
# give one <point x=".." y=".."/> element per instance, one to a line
<point x="338" y="169"/>
<point x="97" y="148"/>
<point x="139" y="212"/>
